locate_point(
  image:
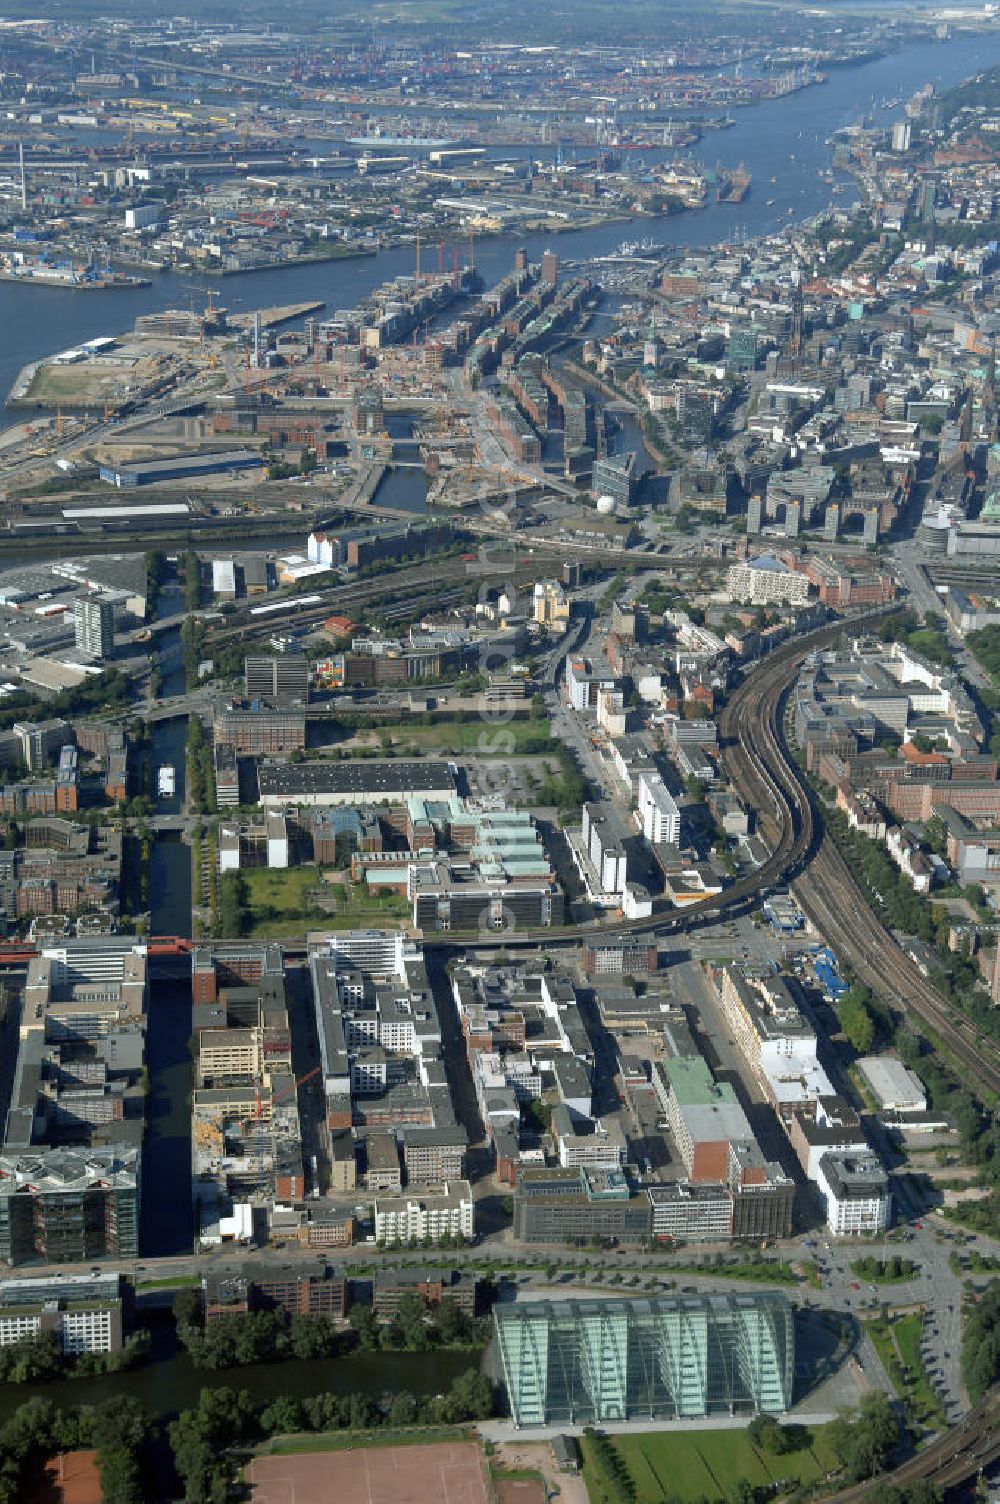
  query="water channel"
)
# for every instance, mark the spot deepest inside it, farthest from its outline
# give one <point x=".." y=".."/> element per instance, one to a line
<point x="169" y="1382"/>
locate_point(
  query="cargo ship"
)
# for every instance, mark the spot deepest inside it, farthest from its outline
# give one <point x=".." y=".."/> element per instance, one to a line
<point x="734" y="184"/>
<point x="166" y="781"/>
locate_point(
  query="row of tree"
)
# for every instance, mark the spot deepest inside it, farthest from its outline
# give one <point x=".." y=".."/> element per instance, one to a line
<point x="269" y="1336"/>
<point x="892" y="1268"/>
<point x="981" y="1341"/>
<point x="200" y="768"/>
<point x="414" y="1327"/>
<point x="227" y="1418"/>
<point x="260" y="1337"/>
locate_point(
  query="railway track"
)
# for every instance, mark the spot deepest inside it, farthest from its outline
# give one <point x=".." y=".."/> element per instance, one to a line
<point x="427" y="580"/>
<point x="961" y="1453"/>
<point x="832" y="898"/>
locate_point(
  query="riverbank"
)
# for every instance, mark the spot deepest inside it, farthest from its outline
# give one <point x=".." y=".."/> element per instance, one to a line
<point x="68" y="284"/>
<point x="336" y="253"/>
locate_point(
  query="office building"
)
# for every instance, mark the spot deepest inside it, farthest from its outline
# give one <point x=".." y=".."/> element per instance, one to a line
<point x="283" y="677"/>
<point x="431" y="1285"/>
<point x="255" y="730"/>
<point x="550" y="605"/>
<point x="584" y="1362"/>
<point x="615" y="477"/>
<point x="94" y="623"/>
<point x="856" y="1189"/>
<point x="274" y="1287"/>
<point x="578" y="1206"/>
<point x="86" y="1313"/>
<point x="68" y="1205"/>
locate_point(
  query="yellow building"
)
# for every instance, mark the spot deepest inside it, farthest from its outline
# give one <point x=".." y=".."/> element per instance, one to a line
<point x="551" y="605"/>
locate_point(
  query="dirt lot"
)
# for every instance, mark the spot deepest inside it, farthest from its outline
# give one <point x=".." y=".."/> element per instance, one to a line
<point x="538" y="1456"/>
<point x="446" y="1473"/>
<point x="520" y="1491"/>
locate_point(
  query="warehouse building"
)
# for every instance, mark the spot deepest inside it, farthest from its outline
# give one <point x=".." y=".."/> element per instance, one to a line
<point x="132" y="473"/>
<point x="356" y="783"/>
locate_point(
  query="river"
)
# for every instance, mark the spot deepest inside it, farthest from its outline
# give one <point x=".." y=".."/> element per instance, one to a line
<point x="783" y="138"/>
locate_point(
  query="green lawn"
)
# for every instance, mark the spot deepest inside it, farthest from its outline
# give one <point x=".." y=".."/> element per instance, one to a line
<point x="174" y="1282"/>
<point x="695" y="1465"/>
<point x="898" y="1346"/>
<point x="347" y="1441"/>
<point x="279" y="906"/>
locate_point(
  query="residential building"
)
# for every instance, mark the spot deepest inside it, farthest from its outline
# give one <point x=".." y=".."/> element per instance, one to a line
<point x="446" y="1212"/>
<point x="766" y="581"/>
<point x="94" y="622"/>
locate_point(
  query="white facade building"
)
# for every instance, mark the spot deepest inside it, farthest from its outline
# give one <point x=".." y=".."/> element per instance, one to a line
<point x="448" y="1212"/>
<point x="856" y="1188"/>
<point x="660" y="817"/>
<point x="765" y="581"/>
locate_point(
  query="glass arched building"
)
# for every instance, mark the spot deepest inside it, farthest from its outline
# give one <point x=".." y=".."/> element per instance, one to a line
<point x="583" y="1361"/>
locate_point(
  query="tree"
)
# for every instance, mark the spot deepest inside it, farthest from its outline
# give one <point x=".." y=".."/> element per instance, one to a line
<point x="981" y="1342"/>
<point x="768" y="1434"/>
<point x="188" y="1308"/>
<point x="35" y="1358"/>
<point x="863" y="1438"/>
<point x="119" y="1428"/>
<point x="283" y="1415"/>
<point x="311" y="1337"/>
<point x="470" y="1397"/>
<point x="403" y="1409"/>
<point x="451" y="1323"/>
<point x="365" y="1325"/>
<point x="411" y="1319"/>
<point x="856" y="1022"/>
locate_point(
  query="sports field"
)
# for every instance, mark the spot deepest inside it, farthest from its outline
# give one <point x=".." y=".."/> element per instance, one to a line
<point x="443" y="1473"/>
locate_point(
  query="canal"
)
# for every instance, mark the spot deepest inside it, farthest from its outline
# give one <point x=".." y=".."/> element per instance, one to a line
<point x="166" y="1221"/>
<point x="169" y="1382"/>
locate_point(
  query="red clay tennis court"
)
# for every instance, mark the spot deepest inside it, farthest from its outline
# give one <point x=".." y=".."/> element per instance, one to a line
<point x="446" y="1473"/>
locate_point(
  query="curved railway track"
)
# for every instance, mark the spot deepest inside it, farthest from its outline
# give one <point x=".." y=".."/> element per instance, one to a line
<point x="961" y="1453"/>
<point x="830" y="895"/>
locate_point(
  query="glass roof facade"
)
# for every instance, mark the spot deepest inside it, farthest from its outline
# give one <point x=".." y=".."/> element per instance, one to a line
<point x="583" y="1361"/>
